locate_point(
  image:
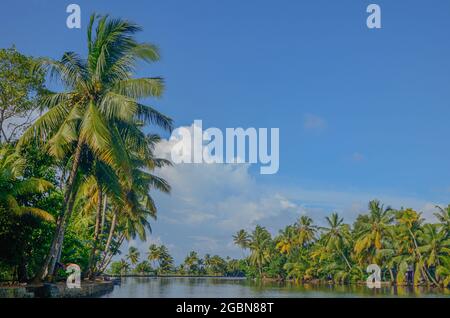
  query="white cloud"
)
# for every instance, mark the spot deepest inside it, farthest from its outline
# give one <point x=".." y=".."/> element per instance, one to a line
<point x="210" y="202"/>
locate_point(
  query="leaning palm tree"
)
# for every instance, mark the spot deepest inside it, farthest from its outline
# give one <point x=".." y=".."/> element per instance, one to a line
<point x="410" y="222"/>
<point x="13" y="186"/>
<point x="99" y="110"/>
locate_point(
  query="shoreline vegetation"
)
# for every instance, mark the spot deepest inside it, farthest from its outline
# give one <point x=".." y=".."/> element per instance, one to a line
<point x="77" y="181"/>
<point x="408" y="251"/>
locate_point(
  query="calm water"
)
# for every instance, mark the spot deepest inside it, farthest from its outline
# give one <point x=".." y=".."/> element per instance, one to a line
<point x="184" y="287"/>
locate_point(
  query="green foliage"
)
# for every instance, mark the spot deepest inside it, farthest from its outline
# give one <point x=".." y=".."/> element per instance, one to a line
<point x="396" y="240"/>
<point x="20" y="90"/>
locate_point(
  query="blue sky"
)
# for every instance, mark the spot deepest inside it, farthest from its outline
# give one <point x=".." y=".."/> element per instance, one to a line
<point x="362" y="113"/>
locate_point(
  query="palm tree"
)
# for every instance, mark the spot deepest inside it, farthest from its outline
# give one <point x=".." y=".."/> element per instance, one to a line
<point x="435" y="247"/>
<point x="143" y="268"/>
<point x="133" y="255"/>
<point x="337" y="236"/>
<point x="306" y="231"/>
<point x="286" y="240"/>
<point x="372" y="234"/>
<point x="410" y="224"/>
<point x="242" y="239"/>
<point x="191" y="262"/>
<point x="124" y="267"/>
<point x="134" y="205"/>
<point x="166" y="260"/>
<point x="154" y="254"/>
<point x="99" y="110"/>
<point x="443" y="216"/>
<point x="260" y="241"/>
<point x="13" y="186"/>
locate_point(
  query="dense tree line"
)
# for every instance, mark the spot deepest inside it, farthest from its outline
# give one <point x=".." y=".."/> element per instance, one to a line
<point x="400" y="242"/>
<point x="158" y="261"/>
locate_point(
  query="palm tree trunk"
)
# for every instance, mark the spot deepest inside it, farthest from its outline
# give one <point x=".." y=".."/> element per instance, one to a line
<point x="392" y="275"/>
<point x="110" y="236"/>
<point x="345" y="259"/>
<point x="102" y="224"/>
<point x="48" y="267"/>
<point x="425" y="271"/>
<point x="122" y="237"/>
<point x="98" y="215"/>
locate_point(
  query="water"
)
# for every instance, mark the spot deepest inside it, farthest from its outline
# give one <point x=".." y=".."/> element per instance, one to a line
<point x="188" y="287"/>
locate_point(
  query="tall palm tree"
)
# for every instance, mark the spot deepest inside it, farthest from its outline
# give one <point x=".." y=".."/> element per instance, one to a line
<point x="306" y="231"/>
<point x="242" y="239"/>
<point x="260" y="241"/>
<point x="373" y="233"/>
<point x="443" y="216"/>
<point x="434" y="247"/>
<point x="13" y="186"/>
<point x="154" y="254"/>
<point x="410" y="223"/>
<point x="337" y="236"/>
<point x="99" y="110"/>
<point x="286" y="240"/>
<point x="133" y="255"/>
<point x="166" y="260"/>
<point x="124" y="266"/>
<point x="191" y="262"/>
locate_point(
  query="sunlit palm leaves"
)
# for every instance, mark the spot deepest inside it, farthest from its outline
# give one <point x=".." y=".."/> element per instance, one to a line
<point x="13" y="186"/>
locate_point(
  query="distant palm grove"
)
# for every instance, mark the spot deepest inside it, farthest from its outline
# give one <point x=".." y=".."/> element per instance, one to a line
<point x="408" y="251"/>
<point x="77" y="175"/>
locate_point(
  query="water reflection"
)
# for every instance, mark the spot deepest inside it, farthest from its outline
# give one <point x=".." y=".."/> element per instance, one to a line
<point x="192" y="287"/>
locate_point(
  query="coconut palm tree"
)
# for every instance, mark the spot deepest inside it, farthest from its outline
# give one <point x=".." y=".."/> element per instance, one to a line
<point x="434" y="247"/>
<point x="337" y="236"/>
<point x="99" y="110"/>
<point x="166" y="260"/>
<point x="241" y="239"/>
<point x="154" y="254"/>
<point x="373" y="233"/>
<point x="443" y="215"/>
<point x="133" y="255"/>
<point x="410" y="223"/>
<point x="306" y="231"/>
<point x="143" y="268"/>
<point x="286" y="241"/>
<point x="13" y="186"/>
<point x="191" y="262"/>
<point x="260" y="241"/>
<point x="124" y="266"/>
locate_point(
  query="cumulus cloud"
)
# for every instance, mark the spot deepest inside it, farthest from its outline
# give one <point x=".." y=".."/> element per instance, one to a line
<point x="210" y="202"/>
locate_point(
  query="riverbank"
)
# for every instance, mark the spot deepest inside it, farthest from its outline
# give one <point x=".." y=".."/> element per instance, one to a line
<point x="57" y="290"/>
